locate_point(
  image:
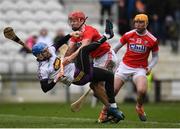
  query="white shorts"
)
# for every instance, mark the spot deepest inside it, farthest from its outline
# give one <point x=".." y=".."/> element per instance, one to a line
<point x="102" y="62"/>
<point x="124" y="72"/>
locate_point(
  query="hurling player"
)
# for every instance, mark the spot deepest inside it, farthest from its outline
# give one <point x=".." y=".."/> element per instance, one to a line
<point x="103" y="57"/>
<point x="51" y="70"/>
<point x="140" y="42"/>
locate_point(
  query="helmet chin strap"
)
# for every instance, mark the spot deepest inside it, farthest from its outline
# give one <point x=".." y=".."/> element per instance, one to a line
<point x="76" y="29"/>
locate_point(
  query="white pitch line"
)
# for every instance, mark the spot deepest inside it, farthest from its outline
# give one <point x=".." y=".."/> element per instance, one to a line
<point x="52" y="117"/>
<point x="86" y="119"/>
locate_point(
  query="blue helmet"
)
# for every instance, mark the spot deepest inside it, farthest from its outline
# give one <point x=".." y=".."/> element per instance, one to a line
<point x="38" y="48"/>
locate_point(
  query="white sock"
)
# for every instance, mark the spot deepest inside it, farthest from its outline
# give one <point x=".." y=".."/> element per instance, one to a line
<point x="114" y="105"/>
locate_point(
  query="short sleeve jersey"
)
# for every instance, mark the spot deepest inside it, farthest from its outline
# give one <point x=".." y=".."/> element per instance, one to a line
<point x="138" y="48"/>
<point x="91" y="33"/>
<point x="49" y="69"/>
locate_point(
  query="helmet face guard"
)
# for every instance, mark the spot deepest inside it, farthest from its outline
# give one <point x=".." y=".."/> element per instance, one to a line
<point x="38" y="48"/>
<point x="76" y="19"/>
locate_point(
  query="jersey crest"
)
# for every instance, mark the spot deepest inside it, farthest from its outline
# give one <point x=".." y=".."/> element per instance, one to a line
<point x="57" y="64"/>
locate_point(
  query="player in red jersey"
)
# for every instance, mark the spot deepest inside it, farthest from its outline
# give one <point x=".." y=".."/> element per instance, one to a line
<point x="103" y="56"/>
<point x="140" y="42"/>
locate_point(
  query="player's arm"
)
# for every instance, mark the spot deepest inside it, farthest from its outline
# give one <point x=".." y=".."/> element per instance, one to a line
<point x="73" y="55"/>
<point x="62" y="41"/>
<point x="85" y="42"/>
<point x="123" y="40"/>
<point x="65" y="39"/>
<point x="153" y="62"/>
<point x="45" y="86"/>
<point x="71" y="48"/>
<point x="117" y="47"/>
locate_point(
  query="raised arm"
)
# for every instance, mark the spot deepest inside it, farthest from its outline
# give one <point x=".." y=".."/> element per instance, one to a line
<point x="62" y="41"/>
<point x="65" y="39"/>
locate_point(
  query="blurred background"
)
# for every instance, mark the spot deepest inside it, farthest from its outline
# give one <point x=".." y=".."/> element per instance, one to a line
<point x="35" y="20"/>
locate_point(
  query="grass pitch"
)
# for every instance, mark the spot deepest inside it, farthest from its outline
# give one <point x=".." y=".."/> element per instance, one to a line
<point x="55" y="115"/>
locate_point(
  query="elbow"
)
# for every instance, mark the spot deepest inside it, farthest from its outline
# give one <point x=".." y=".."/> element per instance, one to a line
<point x="45" y="86"/>
<point x="44" y="89"/>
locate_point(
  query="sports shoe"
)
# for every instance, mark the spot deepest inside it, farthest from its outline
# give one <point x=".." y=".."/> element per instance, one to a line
<point x="117" y="115"/>
<point x="109" y="29"/>
<point x="141" y="113"/>
<point x="103" y="116"/>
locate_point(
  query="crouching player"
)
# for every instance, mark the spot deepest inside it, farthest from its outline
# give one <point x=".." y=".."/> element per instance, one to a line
<point x="79" y="73"/>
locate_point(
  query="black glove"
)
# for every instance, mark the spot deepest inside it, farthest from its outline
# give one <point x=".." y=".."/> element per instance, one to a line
<point x="109" y="29"/>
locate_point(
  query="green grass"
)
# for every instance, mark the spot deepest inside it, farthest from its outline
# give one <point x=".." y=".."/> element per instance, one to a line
<point x="55" y="115"/>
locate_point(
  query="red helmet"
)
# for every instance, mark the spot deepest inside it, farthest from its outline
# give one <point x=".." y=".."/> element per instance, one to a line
<point x="76" y="15"/>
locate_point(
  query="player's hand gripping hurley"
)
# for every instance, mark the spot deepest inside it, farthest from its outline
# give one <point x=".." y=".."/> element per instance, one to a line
<point x="63" y="50"/>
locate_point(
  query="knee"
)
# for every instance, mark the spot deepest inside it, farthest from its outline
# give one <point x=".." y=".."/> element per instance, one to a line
<point x="116" y="90"/>
<point x="118" y="83"/>
<point x="95" y="85"/>
<point x="141" y="85"/>
<point x="141" y="90"/>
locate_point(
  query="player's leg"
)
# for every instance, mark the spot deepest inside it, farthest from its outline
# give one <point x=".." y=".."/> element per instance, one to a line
<point x="108" y="78"/>
<point x="101" y="21"/>
<point x="109" y="12"/>
<point x="99" y="86"/>
<point x="118" y="83"/>
<point x="119" y="80"/>
<point x="141" y="86"/>
<point x="100" y="92"/>
<point x="106" y="61"/>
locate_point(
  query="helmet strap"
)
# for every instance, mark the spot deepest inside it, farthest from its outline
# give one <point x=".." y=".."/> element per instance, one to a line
<point x="81" y="24"/>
